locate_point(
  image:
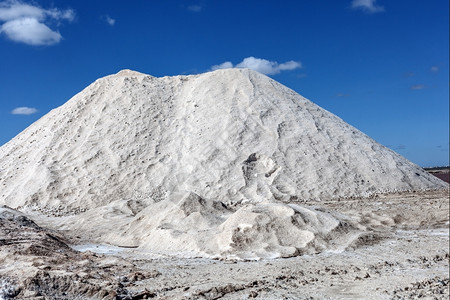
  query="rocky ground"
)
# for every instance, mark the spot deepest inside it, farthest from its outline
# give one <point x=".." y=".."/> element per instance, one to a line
<point x="404" y="256"/>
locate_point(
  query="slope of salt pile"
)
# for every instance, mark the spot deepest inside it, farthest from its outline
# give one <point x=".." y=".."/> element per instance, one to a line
<point x="215" y="163"/>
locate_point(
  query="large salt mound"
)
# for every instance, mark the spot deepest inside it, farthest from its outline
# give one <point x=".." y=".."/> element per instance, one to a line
<point x="215" y="163"/>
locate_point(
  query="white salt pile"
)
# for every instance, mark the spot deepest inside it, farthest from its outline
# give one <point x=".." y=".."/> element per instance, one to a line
<point x="211" y="164"/>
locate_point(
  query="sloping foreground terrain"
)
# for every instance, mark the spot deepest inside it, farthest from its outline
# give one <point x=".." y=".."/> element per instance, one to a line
<point x="221" y="165"/>
<point x="408" y="258"/>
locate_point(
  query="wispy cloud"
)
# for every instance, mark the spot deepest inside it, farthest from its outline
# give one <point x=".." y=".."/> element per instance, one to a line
<point x="24" y="110"/>
<point x="225" y="65"/>
<point x="409" y="74"/>
<point x="418" y="87"/>
<point x="110" y="21"/>
<point x="369" y="6"/>
<point x="342" y="95"/>
<point x="28" y="24"/>
<point x="260" y="65"/>
<point x="434" y="69"/>
<point x="195" y="8"/>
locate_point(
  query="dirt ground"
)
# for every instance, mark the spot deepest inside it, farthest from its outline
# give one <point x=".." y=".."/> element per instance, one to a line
<point x="405" y="255"/>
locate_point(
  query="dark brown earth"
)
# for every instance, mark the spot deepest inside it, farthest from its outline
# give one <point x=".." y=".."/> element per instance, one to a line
<point x="442" y="173"/>
<point x="443" y="176"/>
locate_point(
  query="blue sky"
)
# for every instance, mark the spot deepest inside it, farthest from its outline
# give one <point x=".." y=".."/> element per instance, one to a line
<point x="382" y="66"/>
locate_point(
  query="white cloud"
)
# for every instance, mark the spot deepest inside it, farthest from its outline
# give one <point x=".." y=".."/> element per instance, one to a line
<point x="290" y="65"/>
<point x="28" y="24"/>
<point x="24" y="110"/>
<point x="68" y="14"/>
<point x="30" y="31"/>
<point x="368" y="6"/>
<point x="10" y="10"/>
<point x="14" y="9"/>
<point x="195" y="8"/>
<point x="260" y="65"/>
<point x="110" y="20"/>
<point x="225" y="65"/>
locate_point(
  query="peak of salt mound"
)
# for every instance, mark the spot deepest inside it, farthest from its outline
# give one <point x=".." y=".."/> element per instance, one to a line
<point x="129" y="73"/>
<point x="226" y="153"/>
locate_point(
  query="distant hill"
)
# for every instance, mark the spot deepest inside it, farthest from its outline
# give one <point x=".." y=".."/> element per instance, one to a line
<point x="440" y="172"/>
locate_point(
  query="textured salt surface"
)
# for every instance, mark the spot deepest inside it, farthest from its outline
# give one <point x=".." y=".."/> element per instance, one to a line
<point x="215" y="164"/>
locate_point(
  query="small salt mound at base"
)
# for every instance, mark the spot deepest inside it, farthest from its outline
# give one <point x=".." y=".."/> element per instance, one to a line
<point x="193" y="226"/>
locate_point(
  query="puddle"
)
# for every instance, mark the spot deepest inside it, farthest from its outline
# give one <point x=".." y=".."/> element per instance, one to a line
<point x="98" y="248"/>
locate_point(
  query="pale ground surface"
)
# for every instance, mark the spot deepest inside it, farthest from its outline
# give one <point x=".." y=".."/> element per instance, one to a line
<point x="410" y="261"/>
